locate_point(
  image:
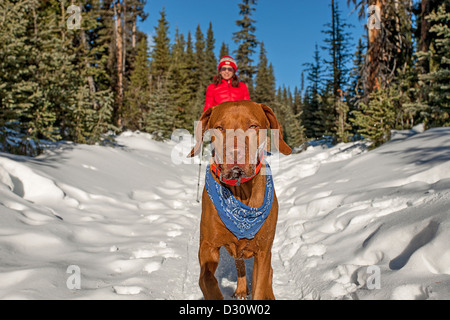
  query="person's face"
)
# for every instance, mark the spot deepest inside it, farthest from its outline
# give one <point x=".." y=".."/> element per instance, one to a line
<point x="227" y="72"/>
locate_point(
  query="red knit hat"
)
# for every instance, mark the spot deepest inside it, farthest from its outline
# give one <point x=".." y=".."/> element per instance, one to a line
<point x="227" y="61"/>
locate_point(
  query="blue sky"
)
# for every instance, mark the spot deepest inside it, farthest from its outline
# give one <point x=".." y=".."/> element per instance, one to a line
<point x="289" y="28"/>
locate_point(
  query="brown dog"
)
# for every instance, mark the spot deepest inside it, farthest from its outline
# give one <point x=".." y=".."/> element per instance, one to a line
<point x="239" y="160"/>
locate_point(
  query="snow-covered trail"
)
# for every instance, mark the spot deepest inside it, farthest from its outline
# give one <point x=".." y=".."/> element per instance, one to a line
<point x="128" y="218"/>
<point x="125" y="216"/>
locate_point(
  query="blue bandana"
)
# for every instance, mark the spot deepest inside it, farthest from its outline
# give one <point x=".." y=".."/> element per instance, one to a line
<point x="243" y="221"/>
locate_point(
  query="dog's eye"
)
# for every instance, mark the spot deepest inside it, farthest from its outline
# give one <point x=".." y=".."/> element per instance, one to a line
<point x="219" y="128"/>
<point x="253" y="126"/>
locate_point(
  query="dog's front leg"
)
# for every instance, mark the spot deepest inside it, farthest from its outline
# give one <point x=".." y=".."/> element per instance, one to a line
<point x="209" y="260"/>
<point x="241" y="289"/>
<point x="262" y="277"/>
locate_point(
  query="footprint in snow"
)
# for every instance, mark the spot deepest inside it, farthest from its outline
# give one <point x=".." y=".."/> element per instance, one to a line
<point x="174" y="233"/>
<point x="153" y="217"/>
<point x="127" y="290"/>
<point x="152" y="267"/>
<point x="154" y="252"/>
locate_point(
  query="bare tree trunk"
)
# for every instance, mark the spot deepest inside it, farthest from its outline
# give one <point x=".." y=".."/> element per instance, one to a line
<point x="373" y="53"/>
<point x="63" y="20"/>
<point x="133" y="37"/>
<point x="425" y="26"/>
<point x="119" y="51"/>
<point x="334" y="50"/>
<point x="124" y="40"/>
<point x="424" y="41"/>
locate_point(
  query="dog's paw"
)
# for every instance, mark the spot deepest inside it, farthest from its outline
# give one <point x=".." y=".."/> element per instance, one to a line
<point x="241" y="295"/>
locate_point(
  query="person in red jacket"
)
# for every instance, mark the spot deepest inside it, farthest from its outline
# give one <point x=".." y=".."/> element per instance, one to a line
<point x="226" y="85"/>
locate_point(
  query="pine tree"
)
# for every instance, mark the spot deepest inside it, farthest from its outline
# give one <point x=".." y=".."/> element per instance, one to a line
<point x="192" y="84"/>
<point x="283" y="106"/>
<point x="133" y="10"/>
<point x="312" y="99"/>
<point x="356" y="88"/>
<point x="200" y="58"/>
<point x="246" y="40"/>
<point x="280" y="108"/>
<point x="437" y="80"/>
<point x="337" y="45"/>
<point x="52" y="96"/>
<point x="408" y="107"/>
<point x="200" y="73"/>
<point x="59" y="82"/>
<point x="182" y="84"/>
<point x="325" y="114"/>
<point x="138" y="91"/>
<point x="292" y="108"/>
<point x="265" y="81"/>
<point x="160" y="55"/>
<point x="96" y="39"/>
<point x="377" y="119"/>
<point x="389" y="68"/>
<point x="210" y="57"/>
<point x="224" y="50"/>
<point x="89" y="111"/>
<point x="295" y="132"/>
<point x="297" y="106"/>
<point x="160" y="121"/>
<point x="343" y="127"/>
<point x="201" y="68"/>
<point x="26" y="102"/>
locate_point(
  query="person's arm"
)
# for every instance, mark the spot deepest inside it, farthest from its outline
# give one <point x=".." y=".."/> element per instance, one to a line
<point x="209" y="99"/>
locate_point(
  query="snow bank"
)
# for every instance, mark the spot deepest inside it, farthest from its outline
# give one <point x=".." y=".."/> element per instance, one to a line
<point x="386" y="210"/>
<point x="353" y="224"/>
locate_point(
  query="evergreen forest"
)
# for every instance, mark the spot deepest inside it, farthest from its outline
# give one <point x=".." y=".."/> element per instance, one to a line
<point x="82" y="71"/>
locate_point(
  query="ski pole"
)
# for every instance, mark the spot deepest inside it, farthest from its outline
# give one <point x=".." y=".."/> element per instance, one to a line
<point x="199" y="171"/>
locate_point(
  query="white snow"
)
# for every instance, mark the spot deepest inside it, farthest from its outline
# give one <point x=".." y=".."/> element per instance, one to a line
<point x="353" y="224"/>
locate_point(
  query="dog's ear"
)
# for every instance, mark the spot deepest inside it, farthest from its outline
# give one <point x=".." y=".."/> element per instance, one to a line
<point x="274" y="124"/>
<point x="202" y="126"/>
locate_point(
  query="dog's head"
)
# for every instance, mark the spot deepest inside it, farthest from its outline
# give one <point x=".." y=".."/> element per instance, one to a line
<point x="239" y="135"/>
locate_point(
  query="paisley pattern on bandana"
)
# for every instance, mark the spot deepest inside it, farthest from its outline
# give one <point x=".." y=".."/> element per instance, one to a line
<point x="243" y="221"/>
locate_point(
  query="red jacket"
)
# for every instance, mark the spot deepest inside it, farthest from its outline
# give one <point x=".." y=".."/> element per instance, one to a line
<point x="225" y="92"/>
